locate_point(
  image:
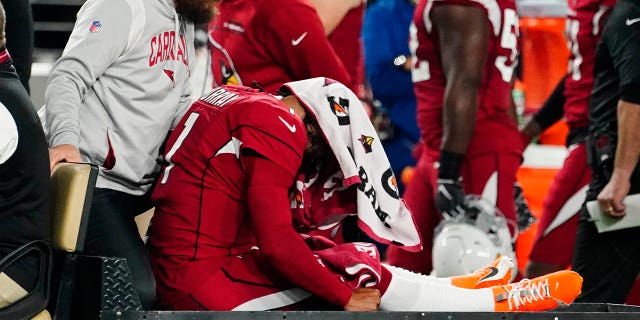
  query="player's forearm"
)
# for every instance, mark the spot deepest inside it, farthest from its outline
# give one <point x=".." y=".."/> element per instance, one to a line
<point x="532" y="129"/>
<point x="295" y="262"/>
<point x="62" y="111"/>
<point x="552" y="110"/>
<point x="464" y="39"/>
<point x="286" y="251"/>
<point x="628" y="148"/>
<point x="459" y="117"/>
<point x="270" y="211"/>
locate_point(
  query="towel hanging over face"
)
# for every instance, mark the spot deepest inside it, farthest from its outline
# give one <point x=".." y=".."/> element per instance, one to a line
<point x="364" y="176"/>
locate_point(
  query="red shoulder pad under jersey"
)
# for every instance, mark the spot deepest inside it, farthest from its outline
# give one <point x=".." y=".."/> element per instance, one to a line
<point x="268" y="127"/>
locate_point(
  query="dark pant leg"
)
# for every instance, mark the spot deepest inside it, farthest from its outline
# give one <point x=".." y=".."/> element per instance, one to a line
<point x="609" y="262"/>
<point x="112" y="232"/>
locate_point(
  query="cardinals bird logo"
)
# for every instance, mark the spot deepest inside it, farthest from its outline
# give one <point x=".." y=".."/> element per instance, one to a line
<point x="366" y="141"/>
<point x="229" y="76"/>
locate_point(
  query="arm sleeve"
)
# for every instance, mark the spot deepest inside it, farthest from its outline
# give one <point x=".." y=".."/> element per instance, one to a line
<point x="101" y="34"/>
<point x="387" y="81"/>
<point x="553" y="109"/>
<point x="295" y="38"/>
<point x="266" y="131"/>
<point x="286" y="251"/>
<point x="624" y="47"/>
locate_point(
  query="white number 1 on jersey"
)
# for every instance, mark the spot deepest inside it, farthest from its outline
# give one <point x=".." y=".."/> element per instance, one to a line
<point x="188" y="125"/>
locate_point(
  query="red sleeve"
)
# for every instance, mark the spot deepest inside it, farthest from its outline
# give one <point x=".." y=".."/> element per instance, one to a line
<point x="268" y="203"/>
<point x="295" y="38"/>
<point x="273" y="132"/>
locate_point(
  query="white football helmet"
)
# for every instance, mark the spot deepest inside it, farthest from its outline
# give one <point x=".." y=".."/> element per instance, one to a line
<point x="467" y="243"/>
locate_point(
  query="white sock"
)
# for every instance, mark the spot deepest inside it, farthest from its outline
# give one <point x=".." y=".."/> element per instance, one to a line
<point x="410" y="291"/>
<point x="409" y="274"/>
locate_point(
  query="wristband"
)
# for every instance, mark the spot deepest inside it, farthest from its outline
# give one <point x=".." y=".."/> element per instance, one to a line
<point x="450" y="165"/>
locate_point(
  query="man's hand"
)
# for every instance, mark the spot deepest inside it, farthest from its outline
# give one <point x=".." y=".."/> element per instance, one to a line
<point x="610" y="198"/>
<point x="317" y="243"/>
<point x="63" y="152"/>
<point x="363" y="299"/>
<point x="450" y="198"/>
<point x="524" y="217"/>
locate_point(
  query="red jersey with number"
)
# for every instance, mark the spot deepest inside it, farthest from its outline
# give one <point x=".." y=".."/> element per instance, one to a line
<point x="584" y="24"/>
<point x="209" y="221"/>
<point x="271" y="42"/>
<point x="494" y="129"/>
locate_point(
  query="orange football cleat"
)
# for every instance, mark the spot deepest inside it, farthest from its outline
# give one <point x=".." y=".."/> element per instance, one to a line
<point x="497" y="273"/>
<point x="542" y="293"/>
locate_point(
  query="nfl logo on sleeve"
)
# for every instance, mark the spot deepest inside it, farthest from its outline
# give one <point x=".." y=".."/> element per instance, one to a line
<point x="95" y="26"/>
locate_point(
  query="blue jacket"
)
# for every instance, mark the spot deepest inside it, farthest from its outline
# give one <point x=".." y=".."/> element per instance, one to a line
<point x="385" y="34"/>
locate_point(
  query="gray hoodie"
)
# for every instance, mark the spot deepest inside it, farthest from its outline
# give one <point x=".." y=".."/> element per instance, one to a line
<point x="120" y="85"/>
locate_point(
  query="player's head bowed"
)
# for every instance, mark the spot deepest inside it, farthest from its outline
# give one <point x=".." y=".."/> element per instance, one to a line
<point x="317" y="149"/>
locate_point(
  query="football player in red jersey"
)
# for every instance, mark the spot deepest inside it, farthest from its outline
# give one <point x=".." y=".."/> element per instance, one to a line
<point x="464" y="54"/>
<point x="553" y="247"/>
<point x="223" y="236"/>
<point x="270" y="42"/>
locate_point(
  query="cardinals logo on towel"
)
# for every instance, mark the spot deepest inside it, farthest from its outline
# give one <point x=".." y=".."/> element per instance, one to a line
<point x="362" y="163"/>
<point x="366" y="141"/>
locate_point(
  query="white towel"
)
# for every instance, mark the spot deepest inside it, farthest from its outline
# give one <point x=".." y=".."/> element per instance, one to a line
<point x="355" y="144"/>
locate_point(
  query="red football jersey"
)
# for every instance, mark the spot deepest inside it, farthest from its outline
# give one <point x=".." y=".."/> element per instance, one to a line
<point x="271" y="42"/>
<point x="584" y="24"/>
<point x="494" y="129"/>
<point x="204" y="168"/>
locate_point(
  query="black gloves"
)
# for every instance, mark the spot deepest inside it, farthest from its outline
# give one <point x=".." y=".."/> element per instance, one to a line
<point x="449" y="194"/>
<point x="450" y="198"/>
<point x="523" y="214"/>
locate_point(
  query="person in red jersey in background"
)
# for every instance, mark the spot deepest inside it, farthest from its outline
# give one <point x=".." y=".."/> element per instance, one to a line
<point x="553" y="247"/>
<point x="265" y="43"/>
<point x="342" y="22"/>
<point x="224" y="238"/>
<point x="464" y="54"/>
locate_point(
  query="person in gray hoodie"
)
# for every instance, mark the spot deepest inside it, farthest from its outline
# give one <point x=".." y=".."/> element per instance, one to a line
<point x="121" y="85"/>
